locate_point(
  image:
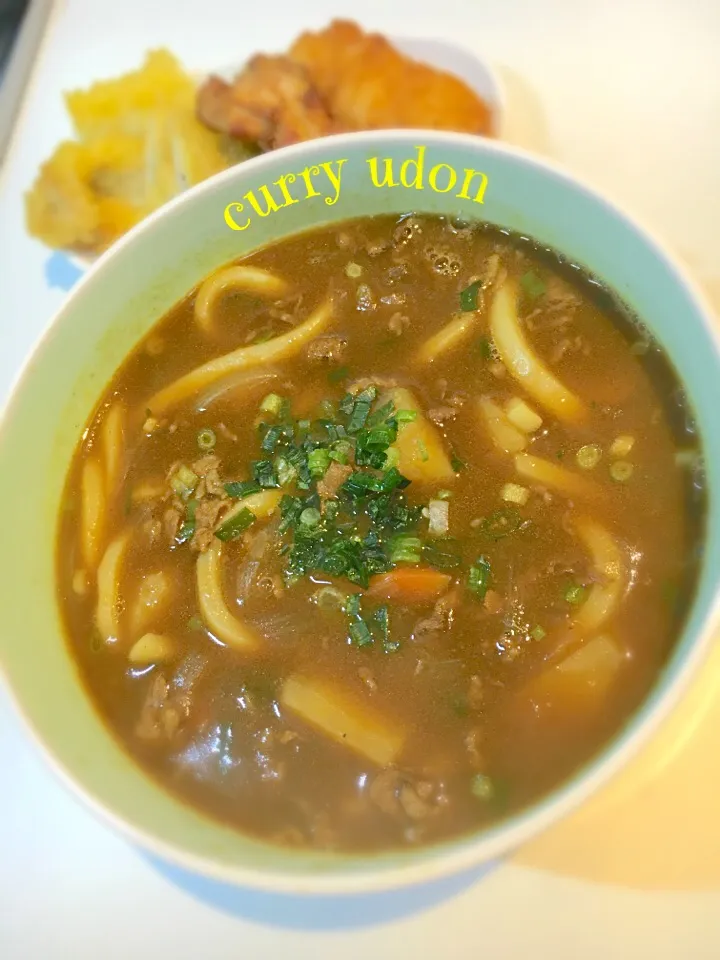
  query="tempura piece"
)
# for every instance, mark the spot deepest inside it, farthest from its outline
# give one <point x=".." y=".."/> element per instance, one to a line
<point x="139" y="144"/>
<point x="350" y="724"/>
<point x="271" y="102"/>
<point x="369" y="85"/>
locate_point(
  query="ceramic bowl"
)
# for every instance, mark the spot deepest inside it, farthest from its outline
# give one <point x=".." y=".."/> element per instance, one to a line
<point x="143" y="275"/>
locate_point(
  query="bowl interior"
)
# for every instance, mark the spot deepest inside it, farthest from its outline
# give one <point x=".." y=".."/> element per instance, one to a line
<point x="145" y="274"/>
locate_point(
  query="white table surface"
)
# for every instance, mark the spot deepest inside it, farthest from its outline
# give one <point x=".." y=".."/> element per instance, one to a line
<point x="625" y="92"/>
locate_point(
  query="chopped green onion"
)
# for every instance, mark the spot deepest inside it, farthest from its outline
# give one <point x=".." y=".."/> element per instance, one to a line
<point x="588" y="457"/>
<point x="264" y="473"/>
<point x="406" y="416"/>
<point x="501" y="523"/>
<point x="340" y="451"/>
<point x="273" y="403"/>
<point x="360" y="633"/>
<point x="195" y="623"/>
<point x="184" y="481"/>
<point x="444" y="494"/>
<point x="434" y="554"/>
<point x="235" y="525"/>
<point x="537" y="633"/>
<point x="574" y="594"/>
<point x="381" y="414"/>
<point x="206" y="439"/>
<point x="456" y="463"/>
<point x="621" y="471"/>
<point x="237" y="489"/>
<point x="392" y="458"/>
<point x="479" y="577"/>
<point x="310" y="517"/>
<point x="482" y="787"/>
<point x="353" y="270"/>
<point x="469" y="296"/>
<point x="318" y="462"/>
<point x="187" y="530"/>
<point x="533" y="285"/>
<point x="422" y="450"/>
<point x="285" y="471"/>
<point x="405" y="548"/>
<point x="352" y="606"/>
<point x="271" y="439"/>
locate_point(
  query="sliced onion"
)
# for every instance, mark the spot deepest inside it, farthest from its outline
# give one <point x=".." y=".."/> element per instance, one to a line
<point x="439" y="517"/>
<point x="240" y="380"/>
<point x="217" y="617"/>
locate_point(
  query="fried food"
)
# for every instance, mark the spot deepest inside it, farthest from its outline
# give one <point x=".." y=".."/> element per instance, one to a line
<point x="340" y="79"/>
<point x="138" y="145"/>
<point x="271" y="103"/>
<point x="368" y="85"/>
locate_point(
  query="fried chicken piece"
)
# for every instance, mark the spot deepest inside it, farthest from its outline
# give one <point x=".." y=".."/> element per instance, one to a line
<point x="368" y="85"/>
<point x="271" y="102"/>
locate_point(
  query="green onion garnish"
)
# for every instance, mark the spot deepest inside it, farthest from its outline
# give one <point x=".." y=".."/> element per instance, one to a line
<point x="235" y="525"/>
<point x="206" y="439"/>
<point x="479" y="577"/>
<point x="469" y="296"/>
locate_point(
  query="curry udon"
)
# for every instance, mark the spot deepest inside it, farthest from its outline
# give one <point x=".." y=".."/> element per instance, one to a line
<point x="380" y="533"/>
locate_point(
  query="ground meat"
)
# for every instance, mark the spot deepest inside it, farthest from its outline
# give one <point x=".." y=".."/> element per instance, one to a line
<point x="208" y="468"/>
<point x="398" y="323"/>
<point x="206" y="516"/>
<point x="439" y="620"/>
<point x="399" y="795"/>
<point x="327" y="348"/>
<point x="171" y="523"/>
<point x="365" y="299"/>
<point x="441" y="415"/>
<point x="375" y="247"/>
<point x="335" y="477"/>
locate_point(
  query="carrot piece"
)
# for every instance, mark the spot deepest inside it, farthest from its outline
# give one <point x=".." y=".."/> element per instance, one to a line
<point x="409" y="584"/>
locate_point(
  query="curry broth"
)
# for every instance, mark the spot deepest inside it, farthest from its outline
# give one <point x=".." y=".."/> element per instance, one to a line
<point x="482" y="732"/>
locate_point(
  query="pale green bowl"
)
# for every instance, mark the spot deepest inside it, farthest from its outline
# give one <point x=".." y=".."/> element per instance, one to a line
<point x="128" y="290"/>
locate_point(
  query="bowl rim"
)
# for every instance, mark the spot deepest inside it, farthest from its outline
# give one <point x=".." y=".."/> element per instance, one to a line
<point x="436" y="861"/>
